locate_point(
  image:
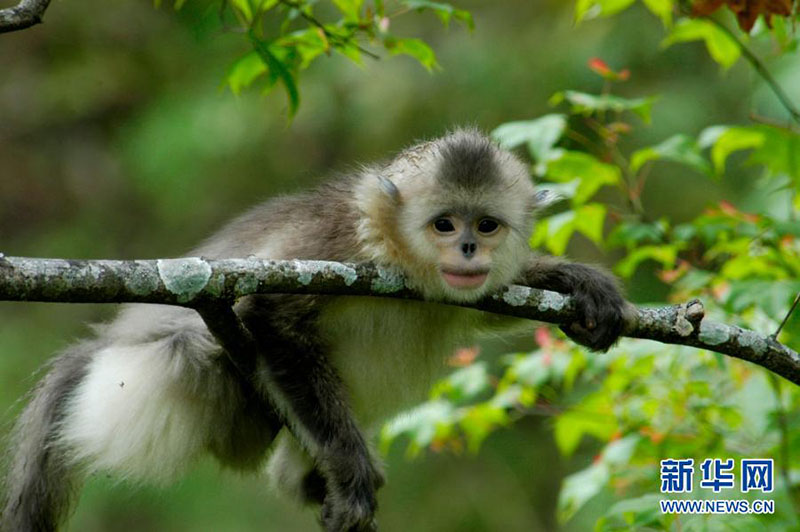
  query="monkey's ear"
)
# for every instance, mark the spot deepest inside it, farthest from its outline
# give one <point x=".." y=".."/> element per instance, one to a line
<point x="544" y="197"/>
<point x="389" y="188"/>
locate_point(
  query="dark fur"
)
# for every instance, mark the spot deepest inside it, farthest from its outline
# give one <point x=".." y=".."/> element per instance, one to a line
<point x="468" y="162"/>
<point x="298" y="365"/>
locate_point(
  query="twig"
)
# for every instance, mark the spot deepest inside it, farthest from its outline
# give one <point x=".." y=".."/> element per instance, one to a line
<point x="196" y="283"/>
<point x="786" y="318"/>
<point x="24" y="15"/>
<point x="761" y="70"/>
<point x="783" y="429"/>
<point x="333" y="37"/>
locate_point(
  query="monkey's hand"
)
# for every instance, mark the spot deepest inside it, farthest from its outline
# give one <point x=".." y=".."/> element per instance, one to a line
<point x="601" y="309"/>
<point x="350" y="502"/>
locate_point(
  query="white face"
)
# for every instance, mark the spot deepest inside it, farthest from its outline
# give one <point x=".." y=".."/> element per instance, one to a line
<point x="465" y="244"/>
<point x="465" y="252"/>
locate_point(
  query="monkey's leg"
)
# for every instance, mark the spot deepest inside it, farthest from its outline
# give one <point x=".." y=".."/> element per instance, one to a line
<point x="292" y="471"/>
<point x="298" y="378"/>
<point x="598" y="300"/>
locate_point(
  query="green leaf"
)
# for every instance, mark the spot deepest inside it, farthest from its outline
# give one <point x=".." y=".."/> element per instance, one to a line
<point x="710" y="135"/>
<point x="559" y="230"/>
<point x="513" y="395"/>
<point x="618" y="452"/>
<point x="539" y="235"/>
<point x="244" y="8"/>
<point x="592" y="173"/>
<point x="555" y="231"/>
<point x="721" y="46"/>
<point x="540" y="135"/>
<point x="662" y="9"/>
<point x="678" y="148"/>
<point x="464" y="383"/>
<point x="588" y="9"/>
<point x="578" y="488"/>
<point x="244" y="71"/>
<point x="350" y="8"/>
<point x="589" y="221"/>
<point x="530" y="369"/>
<point x="779" y="151"/>
<point x="278" y="70"/>
<point x="772" y="296"/>
<point x="416" y="48"/>
<point x="583" y="103"/>
<point x="444" y="11"/>
<point x="350" y="51"/>
<point x="664" y="254"/>
<point x="582" y="486"/>
<point x="593" y="415"/>
<point x="479" y="421"/>
<point x="422" y="424"/>
<point x="309" y="43"/>
<point x="636" y="512"/>
<point x="731" y="140"/>
<point x="631" y="234"/>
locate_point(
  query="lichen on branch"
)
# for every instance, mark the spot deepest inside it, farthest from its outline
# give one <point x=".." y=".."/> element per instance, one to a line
<point x="206" y="285"/>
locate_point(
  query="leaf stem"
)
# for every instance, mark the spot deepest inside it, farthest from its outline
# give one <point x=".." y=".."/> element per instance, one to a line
<point x="311" y="19"/>
<point x="761" y="70"/>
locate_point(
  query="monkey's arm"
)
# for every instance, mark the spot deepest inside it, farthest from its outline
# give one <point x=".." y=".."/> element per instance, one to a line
<point x="307" y="390"/>
<point x="599" y="302"/>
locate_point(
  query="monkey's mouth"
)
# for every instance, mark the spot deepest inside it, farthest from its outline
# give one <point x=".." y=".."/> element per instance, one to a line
<point x="464" y="278"/>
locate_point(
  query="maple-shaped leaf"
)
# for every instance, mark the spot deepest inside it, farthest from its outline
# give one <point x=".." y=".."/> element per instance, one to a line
<point x="747" y="11"/>
<point x="705" y="7"/>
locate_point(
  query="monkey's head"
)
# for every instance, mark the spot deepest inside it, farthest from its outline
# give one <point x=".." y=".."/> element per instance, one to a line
<point x="455" y="214"/>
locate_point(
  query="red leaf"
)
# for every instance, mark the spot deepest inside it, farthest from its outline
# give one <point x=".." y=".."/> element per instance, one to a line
<point x="599" y="66"/>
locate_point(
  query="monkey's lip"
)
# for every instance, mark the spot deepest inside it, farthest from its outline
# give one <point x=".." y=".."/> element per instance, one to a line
<point x="464" y="278"/>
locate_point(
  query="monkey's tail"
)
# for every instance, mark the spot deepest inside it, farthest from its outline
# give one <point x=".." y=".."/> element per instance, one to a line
<point x="40" y="478"/>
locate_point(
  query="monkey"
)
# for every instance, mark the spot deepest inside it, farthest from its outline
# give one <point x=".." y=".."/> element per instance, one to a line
<point x="153" y="390"/>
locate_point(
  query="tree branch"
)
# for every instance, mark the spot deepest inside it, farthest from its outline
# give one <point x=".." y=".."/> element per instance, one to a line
<point x="24" y="15"/>
<point x="212" y="286"/>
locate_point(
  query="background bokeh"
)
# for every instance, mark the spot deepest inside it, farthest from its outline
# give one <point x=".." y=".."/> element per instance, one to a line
<point x="117" y="141"/>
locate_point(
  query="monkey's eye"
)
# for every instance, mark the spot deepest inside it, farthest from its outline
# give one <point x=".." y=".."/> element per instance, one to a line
<point x="487" y="226"/>
<point x="443" y="225"/>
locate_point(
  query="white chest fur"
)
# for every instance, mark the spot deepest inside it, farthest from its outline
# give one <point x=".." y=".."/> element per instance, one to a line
<point x="389" y="352"/>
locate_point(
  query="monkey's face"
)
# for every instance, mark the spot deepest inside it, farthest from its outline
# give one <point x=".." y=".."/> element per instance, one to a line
<point x="464" y="244"/>
<point x="455" y="215"/>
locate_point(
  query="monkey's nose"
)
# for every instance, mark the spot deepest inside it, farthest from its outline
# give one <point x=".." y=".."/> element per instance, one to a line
<point x="468" y="249"/>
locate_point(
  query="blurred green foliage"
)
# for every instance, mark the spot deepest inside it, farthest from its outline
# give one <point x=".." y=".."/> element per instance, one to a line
<point x="302" y="36"/>
<point x="116" y="141"/>
<point x="640" y="404"/>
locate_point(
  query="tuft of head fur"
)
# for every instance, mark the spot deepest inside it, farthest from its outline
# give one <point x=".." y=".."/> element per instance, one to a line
<point x="464" y="170"/>
<point x="468" y="161"/>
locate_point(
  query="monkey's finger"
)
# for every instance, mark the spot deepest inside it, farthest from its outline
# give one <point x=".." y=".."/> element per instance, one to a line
<point x="577" y="328"/>
<point x="576" y="332"/>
